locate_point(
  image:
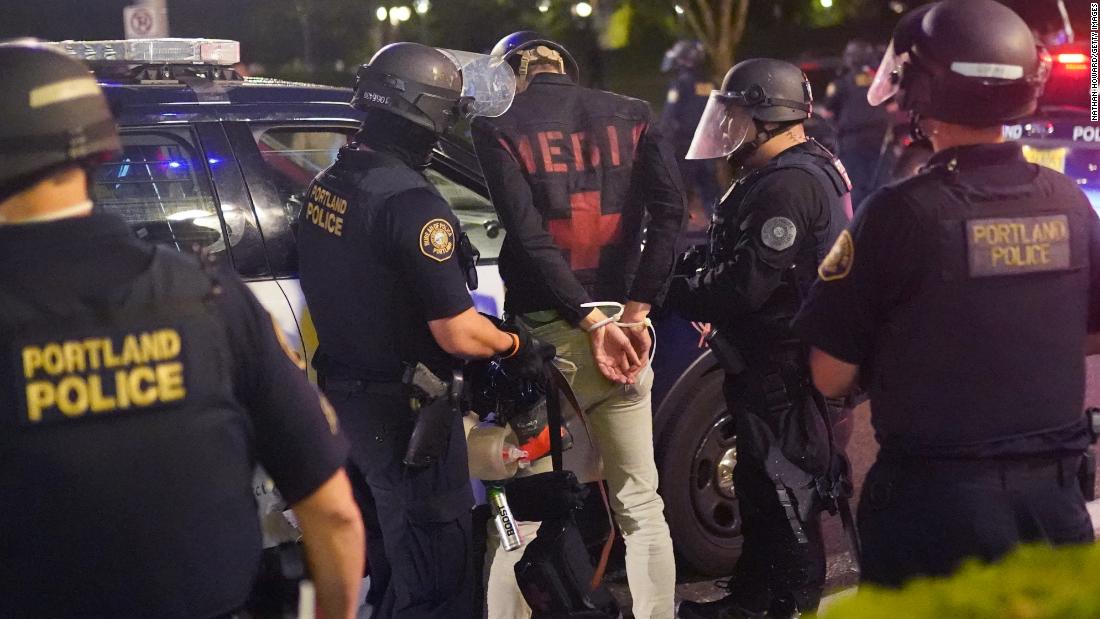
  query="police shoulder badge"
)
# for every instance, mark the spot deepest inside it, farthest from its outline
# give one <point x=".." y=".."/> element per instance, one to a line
<point x="778" y="233"/>
<point x="291" y="353"/>
<point x="838" y="263"/>
<point x="437" y="240"/>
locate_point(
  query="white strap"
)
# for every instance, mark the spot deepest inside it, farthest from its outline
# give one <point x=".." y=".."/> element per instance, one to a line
<point x="610" y="319"/>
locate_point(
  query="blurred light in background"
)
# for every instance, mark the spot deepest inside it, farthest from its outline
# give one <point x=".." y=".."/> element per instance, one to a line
<point x="897" y="7"/>
<point x="826" y="4"/>
<point x="679" y="9"/>
<point x="544" y="6"/>
<point x="399" y="14"/>
<point x="381" y="13"/>
<point x="582" y="9"/>
<point x="421" y="6"/>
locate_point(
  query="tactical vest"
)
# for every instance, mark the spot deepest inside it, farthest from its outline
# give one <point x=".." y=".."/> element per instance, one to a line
<point x="124" y="455"/>
<point x="728" y="218"/>
<point x="366" y="314"/>
<point x="984" y="355"/>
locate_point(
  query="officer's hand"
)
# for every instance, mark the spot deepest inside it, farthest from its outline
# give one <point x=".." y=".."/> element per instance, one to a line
<point x="530" y="357"/>
<point x="614" y="354"/>
<point x="689" y="262"/>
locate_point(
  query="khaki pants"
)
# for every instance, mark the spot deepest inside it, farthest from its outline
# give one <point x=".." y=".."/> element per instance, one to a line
<point x="621" y="421"/>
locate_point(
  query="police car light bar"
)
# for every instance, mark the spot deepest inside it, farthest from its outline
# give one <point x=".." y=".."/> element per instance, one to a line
<point x="219" y="52"/>
<point x="1073" y="62"/>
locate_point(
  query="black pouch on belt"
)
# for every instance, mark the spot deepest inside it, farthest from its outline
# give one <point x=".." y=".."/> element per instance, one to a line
<point x="545" y="496"/>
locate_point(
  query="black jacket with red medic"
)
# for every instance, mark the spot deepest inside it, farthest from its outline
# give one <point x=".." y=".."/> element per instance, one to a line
<point x="573" y="174"/>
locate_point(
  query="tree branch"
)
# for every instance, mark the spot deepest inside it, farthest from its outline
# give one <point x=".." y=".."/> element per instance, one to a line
<point x="739" y="25"/>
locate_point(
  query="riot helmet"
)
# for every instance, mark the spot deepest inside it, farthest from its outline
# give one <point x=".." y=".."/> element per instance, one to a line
<point x="526" y="47"/>
<point x="859" y="54"/>
<point x="754" y="92"/>
<point x="967" y="62"/>
<point x="54" y="112"/>
<point x="418" y="83"/>
<point x="686" y="54"/>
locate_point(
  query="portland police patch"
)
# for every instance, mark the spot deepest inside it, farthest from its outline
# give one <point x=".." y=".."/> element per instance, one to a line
<point x="778" y="233"/>
<point x="838" y="263"/>
<point x="437" y="240"/>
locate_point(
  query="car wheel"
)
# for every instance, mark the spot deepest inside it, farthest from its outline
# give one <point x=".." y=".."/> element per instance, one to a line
<point x="697" y="455"/>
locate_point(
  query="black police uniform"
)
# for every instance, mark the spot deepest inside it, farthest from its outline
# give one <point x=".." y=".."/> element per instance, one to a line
<point x="687" y="97"/>
<point x="861" y="129"/>
<point x="139" y="390"/>
<point x="593" y="166"/>
<point x="379" y="260"/>
<point x="769" y="233"/>
<point x="965" y="294"/>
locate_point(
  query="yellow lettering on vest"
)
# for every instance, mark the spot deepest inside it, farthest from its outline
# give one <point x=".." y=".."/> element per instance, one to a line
<point x="53" y="360"/>
<point x="93" y="348"/>
<point x="170" y="382"/>
<point x="142" y="395"/>
<point x="148" y="346"/>
<point x="99" y="402"/>
<point x="169" y="347"/>
<point x="131" y="352"/>
<point x="122" y="393"/>
<point x="110" y="359"/>
<point x="74" y="356"/>
<point x="72" y="396"/>
<point x="40" y="396"/>
<point x="32" y="359"/>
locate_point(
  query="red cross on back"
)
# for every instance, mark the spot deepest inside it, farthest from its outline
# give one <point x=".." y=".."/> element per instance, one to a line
<point x="587" y="231"/>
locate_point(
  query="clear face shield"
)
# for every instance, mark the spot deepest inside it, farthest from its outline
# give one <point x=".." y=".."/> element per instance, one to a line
<point x="488" y="83"/>
<point x="888" y="77"/>
<point x="725" y="125"/>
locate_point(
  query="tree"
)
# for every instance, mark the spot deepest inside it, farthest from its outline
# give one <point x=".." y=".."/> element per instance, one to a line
<point x="720" y="25"/>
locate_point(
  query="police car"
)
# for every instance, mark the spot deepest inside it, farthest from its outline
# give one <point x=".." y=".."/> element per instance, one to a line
<point x="1064" y="134"/>
<point x="219" y="162"/>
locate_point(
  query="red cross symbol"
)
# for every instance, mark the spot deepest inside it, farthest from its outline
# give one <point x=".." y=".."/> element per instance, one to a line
<point x="587" y="231"/>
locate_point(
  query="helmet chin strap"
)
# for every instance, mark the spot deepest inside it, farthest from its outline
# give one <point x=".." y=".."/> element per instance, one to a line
<point x="742" y="153"/>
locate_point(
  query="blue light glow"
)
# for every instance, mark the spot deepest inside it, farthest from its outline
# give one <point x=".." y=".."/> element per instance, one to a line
<point x="1094" y="198"/>
<point x="213" y="161"/>
<point x="174" y="164"/>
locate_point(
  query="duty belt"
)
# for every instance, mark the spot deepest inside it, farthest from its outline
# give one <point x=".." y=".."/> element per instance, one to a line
<point x="354" y="386"/>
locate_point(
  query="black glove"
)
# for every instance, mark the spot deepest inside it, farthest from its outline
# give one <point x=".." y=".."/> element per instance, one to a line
<point x="529" y="358"/>
<point x="689" y="262"/>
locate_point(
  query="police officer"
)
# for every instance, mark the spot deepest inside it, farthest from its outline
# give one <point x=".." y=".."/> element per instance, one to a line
<point x="769" y="233"/>
<point x="573" y="173"/>
<point x="861" y="127"/>
<point x="963" y="299"/>
<point x="138" y="391"/>
<point x="385" y="269"/>
<point x="687" y="96"/>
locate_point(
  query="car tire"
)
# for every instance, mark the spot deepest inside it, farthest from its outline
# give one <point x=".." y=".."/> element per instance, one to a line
<point x="696" y="484"/>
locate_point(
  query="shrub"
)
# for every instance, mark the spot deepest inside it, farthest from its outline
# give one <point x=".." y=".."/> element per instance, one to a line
<point x="1034" y="582"/>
